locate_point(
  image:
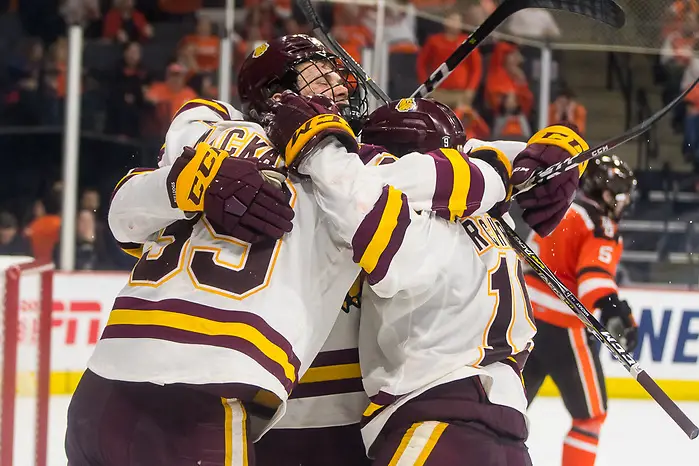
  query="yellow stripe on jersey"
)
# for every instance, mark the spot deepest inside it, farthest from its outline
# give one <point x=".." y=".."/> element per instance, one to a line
<point x="371" y="409"/>
<point x="204" y="326"/>
<point x="327" y="373"/>
<point x="207" y="103"/>
<point x="431" y="442"/>
<point x="228" y="433"/>
<point x="462" y="182"/>
<point x="135" y="252"/>
<point x="380" y="239"/>
<point x="128" y="176"/>
<point x="403" y="444"/>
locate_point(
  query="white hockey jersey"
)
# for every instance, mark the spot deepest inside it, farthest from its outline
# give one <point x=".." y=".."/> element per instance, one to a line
<point x="204" y="308"/>
<point x="475" y="315"/>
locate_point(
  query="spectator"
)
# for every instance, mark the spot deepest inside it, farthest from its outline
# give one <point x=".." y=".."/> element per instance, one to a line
<point x="349" y="31"/>
<point x="676" y="54"/>
<point x="11" y="243"/>
<point x="511" y="124"/>
<point x="535" y="23"/>
<point x="169" y="95"/>
<point x="505" y="77"/>
<point x="461" y="86"/>
<point x="474" y="125"/>
<point x="399" y="26"/>
<point x="90" y="253"/>
<point x="90" y="200"/>
<point x="567" y="109"/>
<point x="43" y="231"/>
<point x="180" y="8"/>
<point x="22" y="94"/>
<point x="205" y="45"/>
<point x="57" y="66"/>
<point x="186" y="57"/>
<point x="124" y="23"/>
<point x="691" y="119"/>
<point x="677" y="12"/>
<point x="125" y="101"/>
<point x="205" y="86"/>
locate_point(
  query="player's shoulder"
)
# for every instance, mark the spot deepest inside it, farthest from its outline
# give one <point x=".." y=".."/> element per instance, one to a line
<point x="510" y="148"/>
<point x="588" y="214"/>
<point x="207" y="110"/>
<point x="371" y="154"/>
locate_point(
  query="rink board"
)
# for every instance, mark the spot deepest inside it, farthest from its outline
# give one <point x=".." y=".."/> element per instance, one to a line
<point x="668" y="335"/>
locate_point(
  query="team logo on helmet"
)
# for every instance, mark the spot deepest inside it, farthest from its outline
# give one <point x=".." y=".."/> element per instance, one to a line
<point x="260" y="49"/>
<point x="406" y="105"/>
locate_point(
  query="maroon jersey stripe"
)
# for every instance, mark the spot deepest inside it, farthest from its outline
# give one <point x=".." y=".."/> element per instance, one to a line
<point x="444" y="184"/>
<point x="367" y="229"/>
<point x="186" y="337"/>
<point x="475" y="191"/>
<point x="336" y="357"/>
<point x="327" y="387"/>
<point x="394" y="244"/>
<point x="190" y="105"/>
<point x="210" y="313"/>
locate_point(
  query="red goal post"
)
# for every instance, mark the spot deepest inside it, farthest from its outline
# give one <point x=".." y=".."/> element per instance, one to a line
<point x="13" y="272"/>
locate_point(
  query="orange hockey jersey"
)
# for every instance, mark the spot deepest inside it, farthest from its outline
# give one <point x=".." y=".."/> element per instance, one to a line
<point x="583" y="251"/>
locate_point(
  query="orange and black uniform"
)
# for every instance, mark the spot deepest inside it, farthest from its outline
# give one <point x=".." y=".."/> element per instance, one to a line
<point x="583" y="252"/>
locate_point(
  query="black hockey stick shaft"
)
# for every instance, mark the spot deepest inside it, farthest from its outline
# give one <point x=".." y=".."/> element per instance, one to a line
<point x="606" y="11"/>
<point x="568" y="164"/>
<point x="323" y="34"/>
<point x="598" y="330"/>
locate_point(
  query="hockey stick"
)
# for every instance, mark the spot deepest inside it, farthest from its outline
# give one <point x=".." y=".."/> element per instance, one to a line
<point x="605" y="11"/>
<point x="561" y="167"/>
<point x="321" y="32"/>
<point x="545" y="273"/>
<point x="596" y="328"/>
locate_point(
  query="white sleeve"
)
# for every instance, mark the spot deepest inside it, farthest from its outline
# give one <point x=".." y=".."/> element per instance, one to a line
<point x="449" y="183"/>
<point x="398" y="248"/>
<point x="140" y="204"/>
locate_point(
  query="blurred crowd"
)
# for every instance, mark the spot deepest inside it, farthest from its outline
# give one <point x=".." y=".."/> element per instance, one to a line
<point x="142" y="59"/>
<point x="679" y="68"/>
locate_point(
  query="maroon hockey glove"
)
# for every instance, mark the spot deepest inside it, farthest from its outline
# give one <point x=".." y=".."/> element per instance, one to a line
<point x="243" y="201"/>
<point x="545" y="206"/>
<point x="297" y="124"/>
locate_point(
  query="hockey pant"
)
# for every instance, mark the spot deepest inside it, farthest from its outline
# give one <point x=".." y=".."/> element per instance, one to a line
<point x="570" y="356"/>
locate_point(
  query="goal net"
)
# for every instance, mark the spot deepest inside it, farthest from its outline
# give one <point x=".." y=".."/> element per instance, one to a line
<point x="25" y="347"/>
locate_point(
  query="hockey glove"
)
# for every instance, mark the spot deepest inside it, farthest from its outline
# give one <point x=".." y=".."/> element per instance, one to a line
<point x="297" y="124"/>
<point x="617" y="318"/>
<point x="244" y="200"/>
<point x="544" y="206"/>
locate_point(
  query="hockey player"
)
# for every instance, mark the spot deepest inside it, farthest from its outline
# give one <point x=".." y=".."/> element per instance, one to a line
<point x="583" y="252"/>
<point x="441" y="359"/>
<point x="210" y="329"/>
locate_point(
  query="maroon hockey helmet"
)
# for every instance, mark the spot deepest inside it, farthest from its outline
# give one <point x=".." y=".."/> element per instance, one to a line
<point x="409" y="125"/>
<point x="273" y="67"/>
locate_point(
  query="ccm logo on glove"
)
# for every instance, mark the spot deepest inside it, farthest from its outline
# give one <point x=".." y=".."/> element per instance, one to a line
<point x="191" y="175"/>
<point x="312" y="127"/>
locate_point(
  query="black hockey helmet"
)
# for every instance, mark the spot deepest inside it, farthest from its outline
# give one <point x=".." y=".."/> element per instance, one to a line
<point x="609" y="182"/>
